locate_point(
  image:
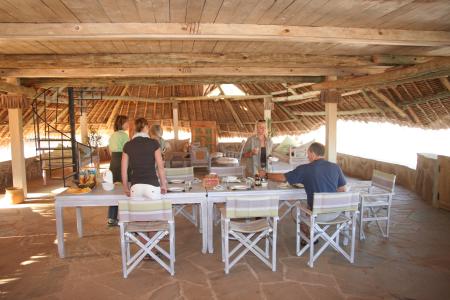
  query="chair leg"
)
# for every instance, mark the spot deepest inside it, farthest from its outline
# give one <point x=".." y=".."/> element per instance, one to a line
<point x="361" y="228"/>
<point x="274" y="244"/>
<point x="172" y="247"/>
<point x="388" y="217"/>
<point x="352" y="254"/>
<point x="311" y="243"/>
<point x="222" y="231"/>
<point x="123" y="247"/>
<point x="298" y="235"/>
<point x="226" y="246"/>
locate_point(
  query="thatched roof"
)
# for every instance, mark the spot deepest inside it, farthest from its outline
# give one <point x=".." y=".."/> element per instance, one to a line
<point x="390" y="59"/>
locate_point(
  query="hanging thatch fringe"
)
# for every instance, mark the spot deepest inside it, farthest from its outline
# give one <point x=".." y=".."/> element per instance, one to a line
<point x="13" y="101"/>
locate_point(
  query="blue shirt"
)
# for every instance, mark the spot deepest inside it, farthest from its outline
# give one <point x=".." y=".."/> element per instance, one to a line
<point x="319" y="176"/>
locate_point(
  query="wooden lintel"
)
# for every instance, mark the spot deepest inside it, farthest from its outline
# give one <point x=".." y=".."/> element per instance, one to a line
<point x="305" y="95"/>
<point x="220" y="32"/>
<point x="60" y="61"/>
<point x="435" y="68"/>
<point x="389" y="103"/>
<point x="134" y="81"/>
<point x="187" y="71"/>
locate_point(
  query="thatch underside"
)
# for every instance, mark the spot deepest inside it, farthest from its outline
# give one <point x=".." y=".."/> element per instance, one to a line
<point x="426" y="104"/>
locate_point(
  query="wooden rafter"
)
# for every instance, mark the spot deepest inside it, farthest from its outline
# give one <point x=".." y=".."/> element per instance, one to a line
<point x="220" y="32"/>
<point x="389" y="103"/>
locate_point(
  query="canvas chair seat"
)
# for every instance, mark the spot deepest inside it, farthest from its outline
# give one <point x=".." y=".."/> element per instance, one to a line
<point x="250" y="226"/>
<point x="339" y="220"/>
<point x="146" y="226"/>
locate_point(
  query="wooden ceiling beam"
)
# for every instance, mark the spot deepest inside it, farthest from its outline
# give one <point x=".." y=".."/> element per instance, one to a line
<point x="392" y="60"/>
<point x="182" y="71"/>
<point x="133" y="81"/>
<point x="435" y="68"/>
<point x="54" y="61"/>
<point x="220" y="32"/>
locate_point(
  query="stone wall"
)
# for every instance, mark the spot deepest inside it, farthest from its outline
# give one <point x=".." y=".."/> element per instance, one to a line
<point x="427" y="176"/>
<point x="362" y="168"/>
<point x="33" y="170"/>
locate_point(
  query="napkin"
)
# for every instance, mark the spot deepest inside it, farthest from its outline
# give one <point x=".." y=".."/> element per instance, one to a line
<point x="108" y="176"/>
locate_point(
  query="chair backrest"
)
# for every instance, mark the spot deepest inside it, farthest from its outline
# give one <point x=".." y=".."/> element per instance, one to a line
<point x="138" y="209"/>
<point x="335" y="202"/>
<point x="241" y="150"/>
<point x="299" y="155"/>
<point x="383" y="180"/>
<point x="228" y="171"/>
<point x="179" y="173"/>
<point x="199" y="155"/>
<point x="252" y="206"/>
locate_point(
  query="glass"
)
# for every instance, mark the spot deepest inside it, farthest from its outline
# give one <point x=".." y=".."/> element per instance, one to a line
<point x="187" y="185"/>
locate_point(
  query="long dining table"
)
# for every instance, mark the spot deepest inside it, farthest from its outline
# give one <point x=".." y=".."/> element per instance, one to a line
<point x="285" y="193"/>
<point x="99" y="197"/>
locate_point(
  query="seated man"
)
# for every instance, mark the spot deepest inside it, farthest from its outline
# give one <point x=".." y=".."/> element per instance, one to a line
<point x="319" y="176"/>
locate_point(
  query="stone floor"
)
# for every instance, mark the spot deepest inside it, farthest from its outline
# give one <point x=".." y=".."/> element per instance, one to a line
<point x="413" y="264"/>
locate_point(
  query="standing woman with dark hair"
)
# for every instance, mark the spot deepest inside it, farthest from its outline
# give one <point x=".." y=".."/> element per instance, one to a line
<point x="143" y="156"/>
<point x="116" y="143"/>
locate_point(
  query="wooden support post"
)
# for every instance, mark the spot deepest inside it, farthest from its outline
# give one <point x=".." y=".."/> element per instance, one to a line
<point x="268" y="107"/>
<point x="175" y="119"/>
<point x="72" y="131"/>
<point x="17" y="149"/>
<point x="15" y="121"/>
<point x="331" y="99"/>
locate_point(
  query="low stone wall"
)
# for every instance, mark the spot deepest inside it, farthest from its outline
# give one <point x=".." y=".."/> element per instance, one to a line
<point x="33" y="170"/>
<point x="362" y="168"/>
<point x="427" y="176"/>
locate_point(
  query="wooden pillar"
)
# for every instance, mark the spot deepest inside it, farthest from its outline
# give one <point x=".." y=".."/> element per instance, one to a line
<point x="175" y="119"/>
<point x="72" y="131"/>
<point x="17" y="149"/>
<point x="331" y="99"/>
<point x="268" y="106"/>
<point x="84" y="128"/>
<point x="15" y="122"/>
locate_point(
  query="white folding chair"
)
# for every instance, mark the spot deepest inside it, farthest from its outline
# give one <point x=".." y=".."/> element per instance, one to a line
<point x="186" y="174"/>
<point x="145" y="222"/>
<point x="237" y="171"/>
<point x="376" y="202"/>
<point x="237" y="226"/>
<point x="330" y="210"/>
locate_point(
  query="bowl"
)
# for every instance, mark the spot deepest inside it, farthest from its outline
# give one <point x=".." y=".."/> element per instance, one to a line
<point x="264" y="184"/>
<point x="107" y="186"/>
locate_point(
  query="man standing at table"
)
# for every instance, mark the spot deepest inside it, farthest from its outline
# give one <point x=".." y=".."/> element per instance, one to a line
<point x="319" y="176"/>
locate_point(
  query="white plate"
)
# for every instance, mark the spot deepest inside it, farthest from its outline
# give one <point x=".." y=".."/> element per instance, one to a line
<point x="175" y="189"/>
<point x="219" y="188"/>
<point x="239" y="187"/>
<point x="176" y="181"/>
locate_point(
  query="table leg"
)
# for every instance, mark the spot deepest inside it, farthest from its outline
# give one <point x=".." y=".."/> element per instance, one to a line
<point x="79" y="222"/>
<point x="204" y="220"/>
<point x="210" y="227"/>
<point x="60" y="230"/>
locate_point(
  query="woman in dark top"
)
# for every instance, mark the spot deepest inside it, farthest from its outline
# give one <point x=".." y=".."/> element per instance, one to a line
<point x="115" y="146"/>
<point x="142" y="154"/>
